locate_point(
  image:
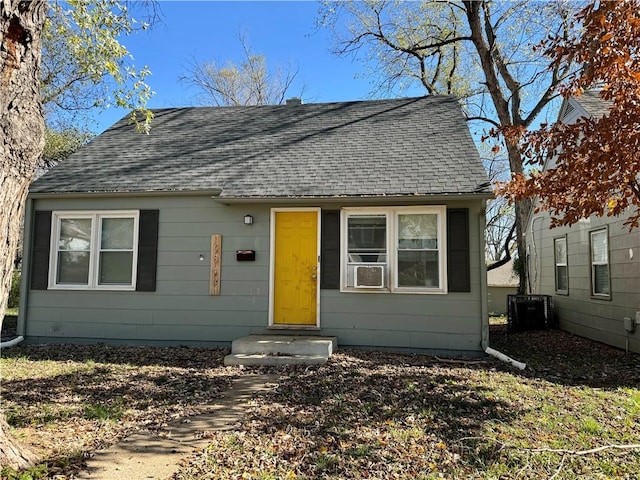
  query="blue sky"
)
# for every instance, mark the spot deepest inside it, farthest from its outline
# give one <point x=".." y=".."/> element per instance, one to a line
<point x="284" y="32"/>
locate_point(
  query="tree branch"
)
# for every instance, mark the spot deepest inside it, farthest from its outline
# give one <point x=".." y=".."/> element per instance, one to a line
<point x="506" y="250"/>
<point x="510" y="82"/>
<point x="484" y="119"/>
<point x="585" y="452"/>
<point x="415" y="49"/>
<point x="487" y="62"/>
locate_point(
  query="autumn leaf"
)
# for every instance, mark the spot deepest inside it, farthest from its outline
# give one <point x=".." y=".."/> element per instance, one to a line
<point x="596" y="164"/>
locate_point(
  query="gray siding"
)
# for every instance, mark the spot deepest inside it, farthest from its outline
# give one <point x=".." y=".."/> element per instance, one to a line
<point x="578" y="312"/>
<point x="180" y="311"/>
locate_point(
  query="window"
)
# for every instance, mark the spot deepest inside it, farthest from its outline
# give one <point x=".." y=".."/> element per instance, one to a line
<point x="94" y="250"/>
<point x="560" y="255"/>
<point x="600" y="284"/>
<point x="418" y="250"/>
<point x="397" y="249"/>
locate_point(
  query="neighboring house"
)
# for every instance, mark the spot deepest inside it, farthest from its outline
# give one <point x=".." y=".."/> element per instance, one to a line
<point x="360" y="220"/>
<point x="501" y="281"/>
<point x="592" y="269"/>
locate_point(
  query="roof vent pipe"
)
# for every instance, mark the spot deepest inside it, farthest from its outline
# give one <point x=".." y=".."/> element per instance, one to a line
<point x="294" y="101"/>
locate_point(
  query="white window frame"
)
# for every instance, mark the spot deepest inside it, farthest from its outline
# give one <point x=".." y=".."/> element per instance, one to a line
<point x="557" y="264"/>
<point x="95" y="249"/>
<point x="391" y="280"/>
<point x="593" y="264"/>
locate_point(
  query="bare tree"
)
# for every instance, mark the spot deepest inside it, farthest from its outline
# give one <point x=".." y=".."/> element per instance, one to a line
<point x="251" y="82"/>
<point x="500" y="216"/>
<point x="484" y="52"/>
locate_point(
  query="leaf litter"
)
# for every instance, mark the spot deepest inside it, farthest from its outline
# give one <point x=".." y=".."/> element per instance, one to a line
<point x="364" y="414"/>
<point x="378" y="415"/>
<point x="67" y="401"/>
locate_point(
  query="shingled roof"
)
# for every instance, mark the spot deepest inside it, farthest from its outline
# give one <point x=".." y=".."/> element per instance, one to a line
<point x="594" y="105"/>
<point x="411" y="146"/>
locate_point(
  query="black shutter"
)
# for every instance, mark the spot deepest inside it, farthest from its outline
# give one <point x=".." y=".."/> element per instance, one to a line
<point x="330" y="250"/>
<point x="40" y="250"/>
<point x="458" y="268"/>
<point x="147" y="250"/>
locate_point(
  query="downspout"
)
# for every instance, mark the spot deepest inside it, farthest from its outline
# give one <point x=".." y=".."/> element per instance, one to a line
<point x="484" y="296"/>
<point x="485" y="299"/>
<point x="11" y="343"/>
<point x="533" y="265"/>
<point x="24" y="278"/>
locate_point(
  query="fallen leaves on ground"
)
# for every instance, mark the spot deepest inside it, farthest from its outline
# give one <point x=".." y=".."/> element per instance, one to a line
<point x="390" y="416"/>
<point x="363" y="415"/>
<point x="67" y="401"/>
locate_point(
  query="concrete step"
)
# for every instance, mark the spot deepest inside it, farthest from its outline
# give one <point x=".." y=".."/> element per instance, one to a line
<point x="262" y="359"/>
<point x="290" y="345"/>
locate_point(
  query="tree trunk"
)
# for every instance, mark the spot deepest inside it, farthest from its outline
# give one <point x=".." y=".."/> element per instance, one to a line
<point x="522" y="210"/>
<point x="21" y="144"/>
<point x="12" y="454"/>
<point x="493" y="73"/>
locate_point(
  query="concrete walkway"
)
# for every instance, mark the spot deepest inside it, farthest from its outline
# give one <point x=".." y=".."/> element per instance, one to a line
<point x="146" y="456"/>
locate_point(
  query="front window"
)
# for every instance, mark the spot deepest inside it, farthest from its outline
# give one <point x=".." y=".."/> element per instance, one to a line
<point x="94" y="250"/>
<point x="116" y="251"/>
<point x="397" y="249"/>
<point x="367" y="238"/>
<point x="74" y="251"/>
<point x="600" y="283"/>
<point x="560" y="255"/>
<point x="418" y="255"/>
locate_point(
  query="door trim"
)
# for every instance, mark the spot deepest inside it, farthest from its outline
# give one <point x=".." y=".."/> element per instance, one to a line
<point x="272" y="264"/>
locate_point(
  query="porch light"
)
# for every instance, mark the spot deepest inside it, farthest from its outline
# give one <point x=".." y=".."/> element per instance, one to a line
<point x="248" y="220"/>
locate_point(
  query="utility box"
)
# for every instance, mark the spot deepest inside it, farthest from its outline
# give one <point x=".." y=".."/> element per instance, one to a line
<point x="629" y="325"/>
<point x="529" y="312"/>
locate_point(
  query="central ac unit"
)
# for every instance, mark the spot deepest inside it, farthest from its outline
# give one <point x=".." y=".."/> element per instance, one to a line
<point x="369" y="276"/>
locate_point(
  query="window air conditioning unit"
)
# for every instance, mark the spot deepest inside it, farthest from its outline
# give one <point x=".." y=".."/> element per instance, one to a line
<point x="369" y="276"/>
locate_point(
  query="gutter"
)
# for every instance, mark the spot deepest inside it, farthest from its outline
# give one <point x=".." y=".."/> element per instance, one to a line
<point x="391" y="199"/>
<point x="214" y="192"/>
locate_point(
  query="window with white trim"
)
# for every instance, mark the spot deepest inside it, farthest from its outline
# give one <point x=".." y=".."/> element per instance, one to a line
<point x="394" y="249"/>
<point x="94" y="250"/>
<point x="560" y="259"/>
<point x="600" y="282"/>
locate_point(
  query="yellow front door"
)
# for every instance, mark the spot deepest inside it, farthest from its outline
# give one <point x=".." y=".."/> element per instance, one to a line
<point x="295" y="268"/>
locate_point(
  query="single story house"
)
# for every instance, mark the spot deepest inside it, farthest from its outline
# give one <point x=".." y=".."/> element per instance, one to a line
<point x="592" y="268"/>
<point x="361" y="220"/>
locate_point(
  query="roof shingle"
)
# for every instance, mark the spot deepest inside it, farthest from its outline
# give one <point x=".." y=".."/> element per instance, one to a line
<point x="411" y="146"/>
<point x="594" y="105"/>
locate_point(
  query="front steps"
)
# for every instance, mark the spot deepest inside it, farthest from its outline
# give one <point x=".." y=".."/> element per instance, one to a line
<point x="266" y="350"/>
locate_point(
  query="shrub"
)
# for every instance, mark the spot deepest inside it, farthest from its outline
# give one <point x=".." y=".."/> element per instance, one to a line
<point x="14" y="293"/>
